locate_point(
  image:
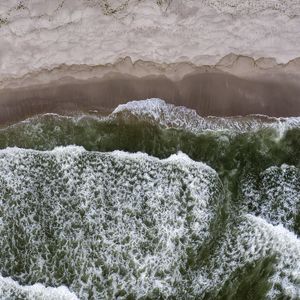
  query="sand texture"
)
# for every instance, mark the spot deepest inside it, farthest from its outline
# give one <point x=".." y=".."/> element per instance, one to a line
<point x="209" y="93"/>
<point x="39" y="34"/>
<point x="219" y="57"/>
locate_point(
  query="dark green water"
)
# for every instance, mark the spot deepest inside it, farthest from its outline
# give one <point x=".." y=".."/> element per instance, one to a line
<point x="218" y="220"/>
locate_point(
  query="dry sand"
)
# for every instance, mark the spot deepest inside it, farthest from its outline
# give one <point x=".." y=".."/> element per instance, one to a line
<point x="43" y="34"/>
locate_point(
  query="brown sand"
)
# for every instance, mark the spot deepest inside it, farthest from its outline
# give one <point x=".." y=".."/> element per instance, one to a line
<point x="209" y="93"/>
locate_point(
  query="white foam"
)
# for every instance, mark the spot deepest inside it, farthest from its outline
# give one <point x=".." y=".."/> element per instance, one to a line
<point x="171" y="116"/>
<point x="158" y="112"/>
<point x="142" y="106"/>
<point x="140" y="214"/>
<point x="276" y="199"/>
<point x="126" y="192"/>
<point x="286" y="246"/>
<point x="180" y="158"/>
<point x="247" y="242"/>
<point x="10" y="289"/>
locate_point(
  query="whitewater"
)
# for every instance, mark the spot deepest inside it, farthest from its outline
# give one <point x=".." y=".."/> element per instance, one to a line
<point x="150" y="202"/>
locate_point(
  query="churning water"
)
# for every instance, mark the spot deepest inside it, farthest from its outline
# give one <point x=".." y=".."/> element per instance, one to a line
<point x="150" y="202"/>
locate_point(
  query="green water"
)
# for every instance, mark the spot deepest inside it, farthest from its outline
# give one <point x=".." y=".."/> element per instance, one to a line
<point x="221" y="221"/>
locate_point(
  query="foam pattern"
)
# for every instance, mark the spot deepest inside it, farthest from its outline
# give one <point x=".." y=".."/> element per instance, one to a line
<point x="10" y="289"/>
<point x="157" y="112"/>
<point x="104" y="224"/>
<point x="276" y="196"/>
<point x="248" y="242"/>
<point x="169" y="115"/>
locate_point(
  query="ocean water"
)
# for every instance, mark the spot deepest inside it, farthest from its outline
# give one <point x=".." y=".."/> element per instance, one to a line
<point x="150" y="202"/>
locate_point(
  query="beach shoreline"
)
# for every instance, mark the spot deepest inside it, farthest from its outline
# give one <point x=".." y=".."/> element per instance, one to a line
<point x="237" y="85"/>
<point x="220" y="58"/>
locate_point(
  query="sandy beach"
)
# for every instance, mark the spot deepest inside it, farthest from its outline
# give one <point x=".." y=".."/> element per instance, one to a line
<point x="209" y="91"/>
<point x="220" y="58"/>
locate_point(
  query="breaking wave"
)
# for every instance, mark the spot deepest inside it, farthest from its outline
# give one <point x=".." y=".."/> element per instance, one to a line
<point x="152" y="201"/>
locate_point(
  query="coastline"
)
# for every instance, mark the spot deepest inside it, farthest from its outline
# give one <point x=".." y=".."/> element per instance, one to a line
<point x="237" y="85"/>
<point x="149" y="149"/>
<point x="221" y="58"/>
<point x="233" y="64"/>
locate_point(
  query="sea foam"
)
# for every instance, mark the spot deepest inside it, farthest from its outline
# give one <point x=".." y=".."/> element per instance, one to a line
<point x="107" y="224"/>
<point x="10" y="289"/>
<point x="171" y="116"/>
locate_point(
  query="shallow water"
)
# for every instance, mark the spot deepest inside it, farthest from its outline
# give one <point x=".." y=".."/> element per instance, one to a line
<point x="151" y="202"/>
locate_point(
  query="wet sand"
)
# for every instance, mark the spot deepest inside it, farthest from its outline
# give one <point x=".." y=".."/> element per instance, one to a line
<point x="209" y="93"/>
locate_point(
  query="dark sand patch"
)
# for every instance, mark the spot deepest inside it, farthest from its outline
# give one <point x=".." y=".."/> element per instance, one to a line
<point x="209" y="93"/>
